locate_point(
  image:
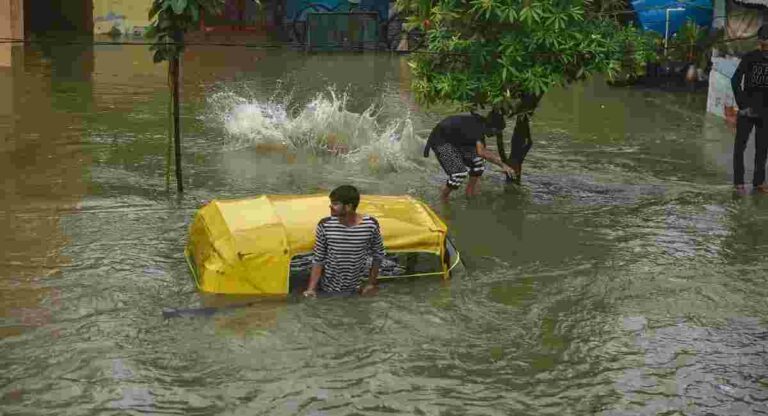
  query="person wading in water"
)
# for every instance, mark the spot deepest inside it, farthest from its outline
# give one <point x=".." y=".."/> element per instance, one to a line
<point x="348" y="246"/>
<point x="459" y="145"/>
<point x="752" y="101"/>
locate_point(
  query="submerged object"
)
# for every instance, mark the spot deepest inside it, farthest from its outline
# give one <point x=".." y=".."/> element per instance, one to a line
<point x="257" y="245"/>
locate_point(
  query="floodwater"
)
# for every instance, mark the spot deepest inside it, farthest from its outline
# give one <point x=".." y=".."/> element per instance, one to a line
<point x="622" y="278"/>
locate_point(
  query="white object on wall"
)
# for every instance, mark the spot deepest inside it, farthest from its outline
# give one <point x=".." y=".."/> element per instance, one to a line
<point x="720" y="93"/>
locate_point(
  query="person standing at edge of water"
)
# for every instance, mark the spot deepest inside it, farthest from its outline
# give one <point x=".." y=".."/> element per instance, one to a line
<point x="752" y="102"/>
<point x="459" y="145"/>
<point x="344" y="242"/>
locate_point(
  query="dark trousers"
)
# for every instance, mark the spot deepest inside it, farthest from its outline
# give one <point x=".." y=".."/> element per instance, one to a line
<point x="744" y="126"/>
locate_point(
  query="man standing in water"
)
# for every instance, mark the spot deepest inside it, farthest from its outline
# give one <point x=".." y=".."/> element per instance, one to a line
<point x="344" y="242"/>
<point x="459" y="145"/>
<point x="752" y="101"/>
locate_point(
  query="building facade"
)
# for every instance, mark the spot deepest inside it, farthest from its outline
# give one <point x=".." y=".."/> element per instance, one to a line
<point x="20" y="19"/>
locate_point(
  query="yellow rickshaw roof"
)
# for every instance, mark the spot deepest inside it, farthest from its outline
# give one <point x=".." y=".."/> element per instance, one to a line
<point x="245" y="245"/>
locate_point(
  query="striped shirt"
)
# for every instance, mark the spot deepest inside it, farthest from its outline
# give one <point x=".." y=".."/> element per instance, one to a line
<point x="346" y="253"/>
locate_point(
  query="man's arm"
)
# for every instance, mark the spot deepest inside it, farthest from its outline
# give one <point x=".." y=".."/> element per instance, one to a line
<point x="492" y="157"/>
<point x="314" y="277"/>
<point x="377" y="255"/>
<point x="736" y="84"/>
<point x="373" y="278"/>
<point x="318" y="260"/>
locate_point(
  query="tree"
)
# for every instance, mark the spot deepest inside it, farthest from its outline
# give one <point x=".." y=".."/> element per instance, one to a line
<point x="506" y="54"/>
<point x="690" y="43"/>
<point x="170" y="20"/>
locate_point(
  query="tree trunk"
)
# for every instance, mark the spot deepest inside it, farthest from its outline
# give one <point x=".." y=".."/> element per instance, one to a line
<point x="174" y="66"/>
<point x="520" y="144"/>
<point x="501" y="149"/>
<point x="521" y="141"/>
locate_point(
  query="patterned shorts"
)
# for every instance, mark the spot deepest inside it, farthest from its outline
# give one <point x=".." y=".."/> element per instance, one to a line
<point x="458" y="163"/>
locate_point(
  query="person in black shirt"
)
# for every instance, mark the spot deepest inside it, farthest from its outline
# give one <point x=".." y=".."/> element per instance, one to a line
<point x="459" y="145"/>
<point x="752" y="101"/>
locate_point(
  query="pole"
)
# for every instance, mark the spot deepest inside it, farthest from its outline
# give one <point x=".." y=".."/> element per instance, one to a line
<point x="176" y="127"/>
<point x="666" y="30"/>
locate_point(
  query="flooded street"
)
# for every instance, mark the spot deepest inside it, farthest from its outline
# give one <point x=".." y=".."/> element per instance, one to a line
<point x="622" y="278"/>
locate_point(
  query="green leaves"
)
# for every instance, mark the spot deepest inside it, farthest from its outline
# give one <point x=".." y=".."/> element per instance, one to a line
<point x="170" y="19"/>
<point x="557" y="21"/>
<point x="195" y="12"/>
<point x="154" y="9"/>
<point x="493" y="52"/>
<point x="483" y="8"/>
<point x="531" y="15"/>
<point x="178" y="6"/>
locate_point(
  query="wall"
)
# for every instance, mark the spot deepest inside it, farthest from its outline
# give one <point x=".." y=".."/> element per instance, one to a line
<point x="11" y="19"/>
<point x="296" y="10"/>
<point x="55" y="17"/>
<point x="11" y="26"/>
<point x="129" y="17"/>
<point x="234" y="12"/>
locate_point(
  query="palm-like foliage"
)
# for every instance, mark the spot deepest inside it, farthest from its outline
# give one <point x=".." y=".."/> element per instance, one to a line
<point x="689" y="42"/>
<point x="505" y="54"/>
<point x="492" y="53"/>
<point x="170" y="19"/>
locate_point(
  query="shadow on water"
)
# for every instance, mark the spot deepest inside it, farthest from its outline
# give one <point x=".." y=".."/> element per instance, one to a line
<point x="42" y="166"/>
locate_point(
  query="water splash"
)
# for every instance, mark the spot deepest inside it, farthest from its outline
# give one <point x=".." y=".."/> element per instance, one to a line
<point x="323" y="126"/>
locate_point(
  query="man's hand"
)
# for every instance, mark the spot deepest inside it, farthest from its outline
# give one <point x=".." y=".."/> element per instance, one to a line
<point x="314" y="277"/>
<point x="510" y="173"/>
<point x="748" y="112"/>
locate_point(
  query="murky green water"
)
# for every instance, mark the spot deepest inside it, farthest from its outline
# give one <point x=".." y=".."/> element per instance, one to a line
<point x="622" y="278"/>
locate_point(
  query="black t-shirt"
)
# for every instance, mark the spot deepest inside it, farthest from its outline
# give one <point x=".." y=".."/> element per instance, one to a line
<point x="461" y="131"/>
<point x="753" y="68"/>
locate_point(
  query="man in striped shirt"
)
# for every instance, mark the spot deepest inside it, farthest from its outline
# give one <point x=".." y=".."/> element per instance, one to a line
<point x="348" y="246"/>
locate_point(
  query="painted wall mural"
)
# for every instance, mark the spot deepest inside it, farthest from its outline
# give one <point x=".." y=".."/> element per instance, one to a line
<point x="120" y="17"/>
<point x="296" y="10"/>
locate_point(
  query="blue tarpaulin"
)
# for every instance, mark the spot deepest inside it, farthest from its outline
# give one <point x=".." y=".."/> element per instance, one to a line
<point x="652" y="14"/>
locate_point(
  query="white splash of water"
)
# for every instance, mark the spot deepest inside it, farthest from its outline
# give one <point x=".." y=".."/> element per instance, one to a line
<point x="324" y="125"/>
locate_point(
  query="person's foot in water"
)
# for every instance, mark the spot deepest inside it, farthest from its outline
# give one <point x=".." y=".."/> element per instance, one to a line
<point x="741" y="189"/>
<point x="445" y="194"/>
<point x="760" y="189"/>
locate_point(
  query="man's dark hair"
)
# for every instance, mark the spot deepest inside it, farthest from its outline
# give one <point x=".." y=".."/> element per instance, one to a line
<point x="495" y="120"/>
<point x="347" y="195"/>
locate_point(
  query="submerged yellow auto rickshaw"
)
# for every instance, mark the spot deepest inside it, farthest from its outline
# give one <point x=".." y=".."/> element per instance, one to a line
<point x="263" y="245"/>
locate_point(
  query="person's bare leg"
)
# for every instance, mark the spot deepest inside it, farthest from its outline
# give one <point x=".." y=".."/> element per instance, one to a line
<point x="445" y="193"/>
<point x="472" y="186"/>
